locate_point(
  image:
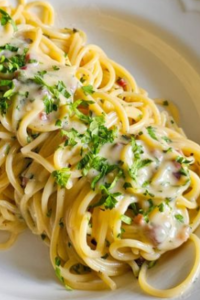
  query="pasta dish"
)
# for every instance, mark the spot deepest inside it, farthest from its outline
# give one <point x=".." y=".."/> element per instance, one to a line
<point x="89" y="162"/>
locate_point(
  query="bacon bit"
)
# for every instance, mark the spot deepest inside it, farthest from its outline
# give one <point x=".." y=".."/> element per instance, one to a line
<point x="64" y="138"/>
<point x="139" y="219"/>
<point x="83" y="110"/>
<point x="28" y="57"/>
<point x="43" y="116"/>
<point x="177" y="175"/>
<point x="183" y="235"/>
<point x="25" y="180"/>
<point x="177" y="165"/>
<point x="151" y="234"/>
<point x="24" y="68"/>
<point x="122" y="82"/>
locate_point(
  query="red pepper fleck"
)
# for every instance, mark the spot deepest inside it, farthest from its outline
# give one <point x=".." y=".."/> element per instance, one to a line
<point x="122" y="82"/>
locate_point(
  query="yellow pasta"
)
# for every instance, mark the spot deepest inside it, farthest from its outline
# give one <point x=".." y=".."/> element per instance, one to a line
<point x="88" y="161"/>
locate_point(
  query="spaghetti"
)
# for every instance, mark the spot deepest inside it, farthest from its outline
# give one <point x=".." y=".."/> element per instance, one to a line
<point x="88" y="161"/>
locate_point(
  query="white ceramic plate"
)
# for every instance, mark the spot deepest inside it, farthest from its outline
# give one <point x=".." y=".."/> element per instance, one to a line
<point x="158" y="42"/>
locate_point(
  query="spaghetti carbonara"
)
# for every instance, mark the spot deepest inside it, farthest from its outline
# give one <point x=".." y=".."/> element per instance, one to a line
<point x="88" y="161"/>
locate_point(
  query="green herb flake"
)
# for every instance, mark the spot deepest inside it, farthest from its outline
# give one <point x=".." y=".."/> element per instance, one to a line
<point x="61" y="176"/>
<point x="166" y="139"/>
<point x="169" y="150"/>
<point x="161" y="207"/>
<point x="57" y="261"/>
<point x="183" y="160"/>
<point x="151" y="264"/>
<point x="151" y="132"/>
<point x="179" y="217"/>
<point x="42" y="73"/>
<point x="88" y="89"/>
<point x="58" y="123"/>
<point x="127" y="185"/>
<point x="6" y="18"/>
<point x="126" y="219"/>
<point x="55" y="68"/>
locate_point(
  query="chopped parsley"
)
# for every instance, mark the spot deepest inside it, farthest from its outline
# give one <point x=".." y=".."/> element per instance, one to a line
<point x="151" y="132"/>
<point x="166" y="139"/>
<point x="42" y="73"/>
<point x="61" y="176"/>
<point x="58" y="123"/>
<point x="183" y="160"/>
<point x="51" y="101"/>
<point x="126" y="219"/>
<point x="88" y="89"/>
<point x="161" y="207"/>
<point x="137" y="165"/>
<point x="9" y="47"/>
<point x="108" y="199"/>
<point x="55" y="68"/>
<point x="5" y="95"/>
<point x="179" y="217"/>
<point x="151" y="264"/>
<point x="6" y="18"/>
<point x="72" y="135"/>
<point x="127" y="185"/>
<point x="49" y="105"/>
<point x="13" y="63"/>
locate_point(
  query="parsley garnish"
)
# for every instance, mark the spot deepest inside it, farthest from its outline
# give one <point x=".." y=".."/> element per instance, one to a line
<point x="126" y="219"/>
<point x="55" y="68"/>
<point x="42" y="73"/>
<point x="58" y="123"/>
<point x="6" y="18"/>
<point x="151" y="132"/>
<point x="5" y="97"/>
<point x="127" y="185"/>
<point x="87" y="89"/>
<point x="168" y="150"/>
<point x="137" y="165"/>
<point x="166" y="139"/>
<point x="151" y="264"/>
<point x="183" y="160"/>
<point x="50" y="105"/>
<point x="9" y="47"/>
<point x="72" y="135"/>
<point x="61" y="176"/>
<point x="108" y="199"/>
<point x="161" y="207"/>
<point x="137" y="149"/>
<point x="179" y="217"/>
<point x="15" y="62"/>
